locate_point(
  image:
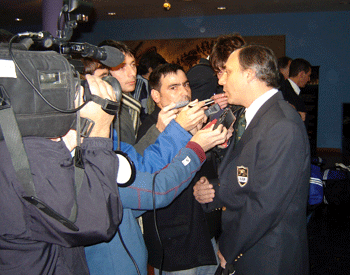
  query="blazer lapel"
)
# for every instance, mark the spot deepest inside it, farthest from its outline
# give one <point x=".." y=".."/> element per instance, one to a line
<point x="232" y="150"/>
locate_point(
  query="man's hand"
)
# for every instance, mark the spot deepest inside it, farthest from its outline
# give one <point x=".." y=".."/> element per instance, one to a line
<point x="303" y="115"/>
<point x="220" y="99"/>
<point x="229" y="134"/>
<point x="221" y="259"/>
<point x="208" y="138"/>
<point x="165" y="116"/>
<point x="198" y="126"/>
<point x="190" y="117"/>
<point x="94" y="111"/>
<point x="203" y="191"/>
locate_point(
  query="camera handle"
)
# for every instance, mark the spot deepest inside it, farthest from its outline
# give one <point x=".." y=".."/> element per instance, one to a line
<point x="109" y="106"/>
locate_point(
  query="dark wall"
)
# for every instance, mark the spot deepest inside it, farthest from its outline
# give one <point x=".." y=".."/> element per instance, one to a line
<point x="321" y="38"/>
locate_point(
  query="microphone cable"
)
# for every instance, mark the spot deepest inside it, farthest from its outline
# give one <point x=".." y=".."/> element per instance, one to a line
<point x="119" y="233"/>
<point x="155" y="222"/>
<point x="127" y="251"/>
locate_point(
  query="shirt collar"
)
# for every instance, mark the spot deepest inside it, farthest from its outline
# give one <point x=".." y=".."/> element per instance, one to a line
<point x="294" y="86"/>
<point x="257" y="103"/>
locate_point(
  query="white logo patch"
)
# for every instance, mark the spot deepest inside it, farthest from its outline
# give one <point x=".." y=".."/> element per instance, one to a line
<point x="186" y="161"/>
<point x="7" y="68"/>
<point x="242" y="175"/>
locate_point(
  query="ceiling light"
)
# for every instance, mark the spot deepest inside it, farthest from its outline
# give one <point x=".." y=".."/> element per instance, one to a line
<point x="166" y="5"/>
<point x="18" y="19"/>
<point x="221" y="8"/>
<point x="111" y="13"/>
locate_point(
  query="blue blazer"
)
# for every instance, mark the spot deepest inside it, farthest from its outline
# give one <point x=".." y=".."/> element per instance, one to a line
<point x="264" y="187"/>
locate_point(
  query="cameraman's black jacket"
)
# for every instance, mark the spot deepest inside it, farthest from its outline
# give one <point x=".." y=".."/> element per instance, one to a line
<point x="32" y="242"/>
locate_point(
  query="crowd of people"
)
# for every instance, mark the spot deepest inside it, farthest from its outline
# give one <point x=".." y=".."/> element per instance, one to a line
<point x="206" y="199"/>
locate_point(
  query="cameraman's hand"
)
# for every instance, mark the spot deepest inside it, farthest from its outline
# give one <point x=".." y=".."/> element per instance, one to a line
<point x="190" y="117"/>
<point x="220" y="99"/>
<point x="94" y="111"/>
<point x="208" y="138"/>
<point x="165" y="116"/>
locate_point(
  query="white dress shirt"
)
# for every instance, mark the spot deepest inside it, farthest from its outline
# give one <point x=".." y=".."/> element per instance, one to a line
<point x="294" y="86"/>
<point x="257" y="103"/>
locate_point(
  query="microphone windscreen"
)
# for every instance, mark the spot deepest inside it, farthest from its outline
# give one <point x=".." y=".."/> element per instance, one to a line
<point x="114" y="57"/>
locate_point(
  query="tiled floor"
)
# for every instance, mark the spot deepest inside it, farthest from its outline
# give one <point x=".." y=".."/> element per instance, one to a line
<point x="329" y="241"/>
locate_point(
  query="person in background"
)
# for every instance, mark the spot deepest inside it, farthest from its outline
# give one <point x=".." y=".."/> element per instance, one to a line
<point x="203" y="80"/>
<point x="130" y="108"/>
<point x="148" y="62"/>
<point x="283" y="66"/>
<point x="299" y="76"/>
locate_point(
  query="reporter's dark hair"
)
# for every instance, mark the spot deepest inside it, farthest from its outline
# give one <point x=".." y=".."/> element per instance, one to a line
<point x="119" y="45"/>
<point x="149" y="60"/>
<point x="162" y="70"/>
<point x="222" y="49"/>
<point x="263" y="61"/>
<point x="299" y="65"/>
<point x="283" y="62"/>
<point x="91" y="65"/>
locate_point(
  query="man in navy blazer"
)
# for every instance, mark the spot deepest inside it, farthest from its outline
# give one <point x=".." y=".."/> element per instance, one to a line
<point x="264" y="178"/>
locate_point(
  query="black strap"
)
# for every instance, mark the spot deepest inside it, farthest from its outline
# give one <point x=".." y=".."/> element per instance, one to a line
<point x="15" y="147"/>
<point x="109" y="106"/>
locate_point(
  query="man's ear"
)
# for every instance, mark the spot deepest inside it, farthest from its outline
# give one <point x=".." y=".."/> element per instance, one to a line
<point x="155" y="96"/>
<point x="249" y="75"/>
<point x="301" y="74"/>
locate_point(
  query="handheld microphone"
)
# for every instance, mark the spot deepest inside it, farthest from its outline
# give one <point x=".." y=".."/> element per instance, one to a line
<point x="111" y="57"/>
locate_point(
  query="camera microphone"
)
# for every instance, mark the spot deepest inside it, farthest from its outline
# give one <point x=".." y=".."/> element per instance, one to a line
<point x="45" y="38"/>
<point x="107" y="55"/>
<point x="111" y="57"/>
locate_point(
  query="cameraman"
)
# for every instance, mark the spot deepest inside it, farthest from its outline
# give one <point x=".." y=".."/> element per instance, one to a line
<point x="31" y="242"/>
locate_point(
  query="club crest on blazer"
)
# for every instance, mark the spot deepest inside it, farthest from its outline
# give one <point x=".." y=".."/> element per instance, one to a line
<point x="242" y="175"/>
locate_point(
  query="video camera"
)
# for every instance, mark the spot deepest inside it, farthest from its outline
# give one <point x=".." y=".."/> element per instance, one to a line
<point x="41" y="86"/>
<point x="37" y="96"/>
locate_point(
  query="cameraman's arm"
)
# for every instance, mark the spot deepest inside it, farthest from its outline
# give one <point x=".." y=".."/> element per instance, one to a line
<point x="94" y="112"/>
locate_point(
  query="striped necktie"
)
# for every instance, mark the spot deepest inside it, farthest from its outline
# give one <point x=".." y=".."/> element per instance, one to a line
<point x="240" y="127"/>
